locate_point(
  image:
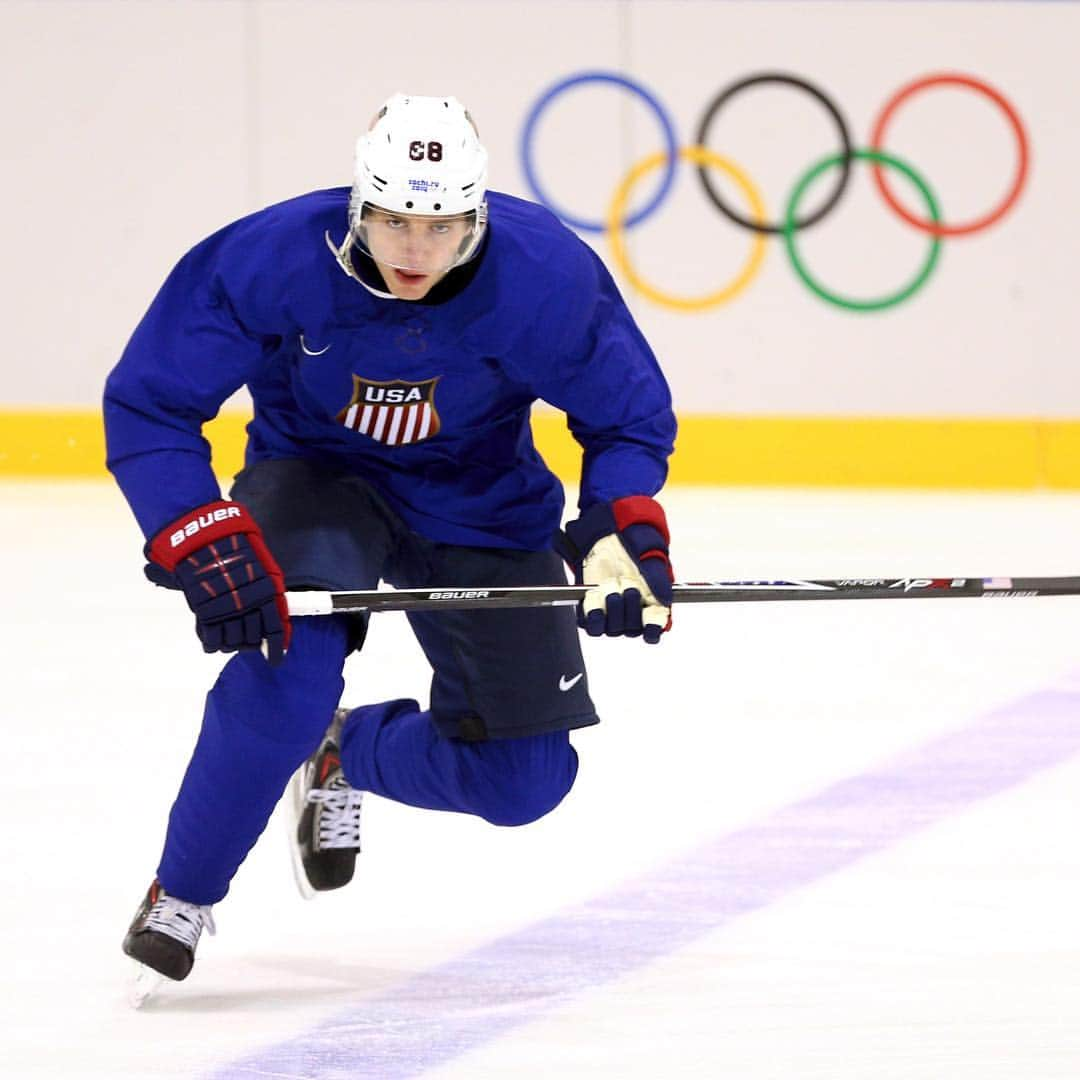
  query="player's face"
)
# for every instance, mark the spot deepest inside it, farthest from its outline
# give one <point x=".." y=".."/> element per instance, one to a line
<point x="412" y="251"/>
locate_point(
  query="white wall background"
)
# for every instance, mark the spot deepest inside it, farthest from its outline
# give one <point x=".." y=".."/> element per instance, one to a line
<point x="131" y="129"/>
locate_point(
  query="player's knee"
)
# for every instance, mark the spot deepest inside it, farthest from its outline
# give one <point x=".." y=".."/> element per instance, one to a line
<point x="525" y="778"/>
<point x="305" y="705"/>
<point x="293" y="702"/>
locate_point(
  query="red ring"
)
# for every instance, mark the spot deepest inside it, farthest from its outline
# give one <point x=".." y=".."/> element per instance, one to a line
<point x="984" y="222"/>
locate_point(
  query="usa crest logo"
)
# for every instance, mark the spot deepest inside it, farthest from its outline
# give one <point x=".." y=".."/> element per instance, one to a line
<point x="395" y="413"/>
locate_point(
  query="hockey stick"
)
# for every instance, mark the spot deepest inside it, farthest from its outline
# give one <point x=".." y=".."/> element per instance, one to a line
<point x="703" y="592"/>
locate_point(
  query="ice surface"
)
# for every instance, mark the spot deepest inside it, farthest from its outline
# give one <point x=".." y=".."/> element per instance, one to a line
<point x="809" y="840"/>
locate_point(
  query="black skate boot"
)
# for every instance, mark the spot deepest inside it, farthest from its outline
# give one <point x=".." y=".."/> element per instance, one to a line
<point x="325" y="829"/>
<point x="165" y="931"/>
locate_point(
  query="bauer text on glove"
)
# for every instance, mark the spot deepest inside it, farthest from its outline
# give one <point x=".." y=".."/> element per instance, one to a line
<point x="217" y="555"/>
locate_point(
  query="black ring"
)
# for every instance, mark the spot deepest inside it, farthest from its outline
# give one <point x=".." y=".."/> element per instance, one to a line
<point x="789" y="80"/>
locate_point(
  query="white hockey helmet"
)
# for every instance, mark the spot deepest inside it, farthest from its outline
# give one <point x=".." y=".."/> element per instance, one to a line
<point x="421" y="160"/>
<point x="421" y="155"/>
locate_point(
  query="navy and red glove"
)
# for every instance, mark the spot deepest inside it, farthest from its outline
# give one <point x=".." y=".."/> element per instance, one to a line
<point x="216" y="554"/>
<point x="621" y="548"/>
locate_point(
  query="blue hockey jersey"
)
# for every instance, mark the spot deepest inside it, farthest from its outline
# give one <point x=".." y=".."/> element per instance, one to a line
<point x="429" y="403"/>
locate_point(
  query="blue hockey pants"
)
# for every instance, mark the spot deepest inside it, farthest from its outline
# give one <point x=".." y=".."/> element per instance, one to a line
<point x="261" y="723"/>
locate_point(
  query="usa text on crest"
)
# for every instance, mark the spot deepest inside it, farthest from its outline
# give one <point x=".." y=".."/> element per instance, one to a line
<point x="394" y="413"/>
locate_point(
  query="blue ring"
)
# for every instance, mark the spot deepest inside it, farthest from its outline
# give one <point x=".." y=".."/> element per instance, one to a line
<point x="546" y="99"/>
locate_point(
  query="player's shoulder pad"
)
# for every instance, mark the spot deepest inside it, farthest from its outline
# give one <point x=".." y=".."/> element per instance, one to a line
<point x="278" y="251"/>
<point x="550" y="282"/>
<point x="536" y="242"/>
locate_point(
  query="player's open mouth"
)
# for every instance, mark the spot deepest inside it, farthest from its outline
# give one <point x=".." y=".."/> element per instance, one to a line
<point x="409" y="278"/>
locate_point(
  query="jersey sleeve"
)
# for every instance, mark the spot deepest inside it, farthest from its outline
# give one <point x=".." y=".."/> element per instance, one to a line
<point x="596" y="366"/>
<point x="194" y="347"/>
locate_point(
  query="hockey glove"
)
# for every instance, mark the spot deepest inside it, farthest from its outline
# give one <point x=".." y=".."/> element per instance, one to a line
<point x="621" y="548"/>
<point x="216" y="554"/>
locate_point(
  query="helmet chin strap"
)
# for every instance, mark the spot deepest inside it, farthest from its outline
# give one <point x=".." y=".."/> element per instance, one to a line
<point x="344" y="260"/>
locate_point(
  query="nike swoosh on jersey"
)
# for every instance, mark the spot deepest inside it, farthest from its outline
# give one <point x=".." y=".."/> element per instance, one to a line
<point x="568" y="684"/>
<point x="312" y="352"/>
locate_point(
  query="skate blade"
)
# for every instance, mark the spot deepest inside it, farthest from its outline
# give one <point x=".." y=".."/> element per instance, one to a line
<point x="292" y="823"/>
<point x="143" y="984"/>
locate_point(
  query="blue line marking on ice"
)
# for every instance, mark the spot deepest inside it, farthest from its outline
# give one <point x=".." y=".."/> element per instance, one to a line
<point x="444" y="1013"/>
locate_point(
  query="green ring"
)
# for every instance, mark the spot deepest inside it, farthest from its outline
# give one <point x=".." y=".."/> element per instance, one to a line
<point x="790" y="216"/>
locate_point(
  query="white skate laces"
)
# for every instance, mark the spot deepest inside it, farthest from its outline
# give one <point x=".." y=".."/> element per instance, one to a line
<point x="338" y="815"/>
<point x="180" y="920"/>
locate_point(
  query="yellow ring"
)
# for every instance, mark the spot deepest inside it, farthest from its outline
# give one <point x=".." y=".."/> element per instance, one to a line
<point x="697" y="155"/>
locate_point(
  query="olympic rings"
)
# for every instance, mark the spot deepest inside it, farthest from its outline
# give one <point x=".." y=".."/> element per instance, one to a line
<point x="791" y="224"/>
<point x="937" y="228"/>
<point x="548" y="96"/>
<point x="701" y="157"/>
<point x="788" y="80"/>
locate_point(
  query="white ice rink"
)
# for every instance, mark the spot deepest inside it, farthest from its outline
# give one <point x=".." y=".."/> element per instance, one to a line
<point x="833" y="841"/>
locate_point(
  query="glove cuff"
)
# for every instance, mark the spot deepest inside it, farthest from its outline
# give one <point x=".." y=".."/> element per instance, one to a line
<point x="640" y="510"/>
<point x="197" y="528"/>
<point x="618" y="516"/>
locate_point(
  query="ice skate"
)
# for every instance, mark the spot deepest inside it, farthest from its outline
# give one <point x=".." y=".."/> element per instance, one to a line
<point x="162" y="939"/>
<point x="324" y="829"/>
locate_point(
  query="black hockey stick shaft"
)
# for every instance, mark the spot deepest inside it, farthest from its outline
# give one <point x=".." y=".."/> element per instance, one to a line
<point x="694" y="592"/>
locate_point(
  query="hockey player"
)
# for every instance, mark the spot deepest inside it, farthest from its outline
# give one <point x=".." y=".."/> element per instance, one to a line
<point x="393" y="338"/>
